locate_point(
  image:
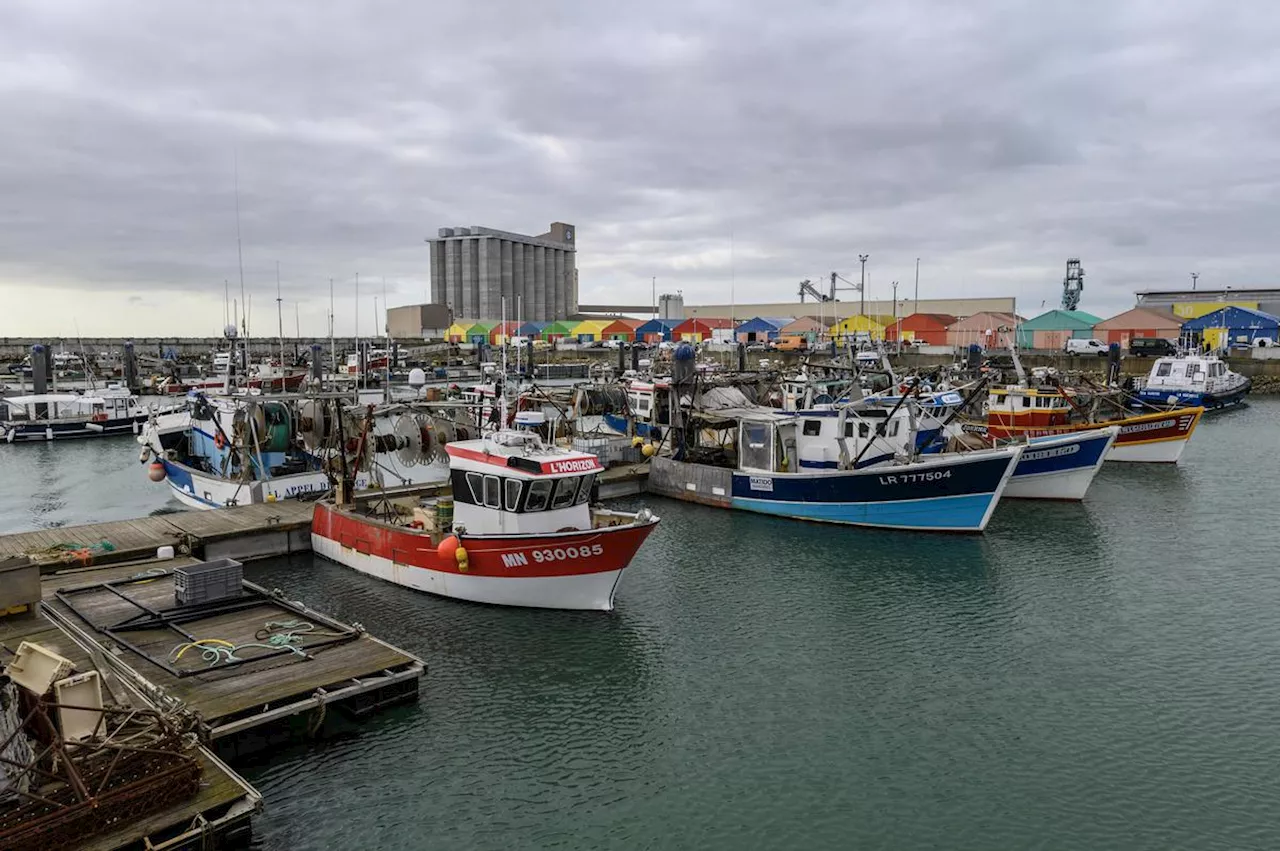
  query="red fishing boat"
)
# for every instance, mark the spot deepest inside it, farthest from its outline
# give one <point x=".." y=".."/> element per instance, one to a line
<point x="523" y="530"/>
<point x="1025" y="412"/>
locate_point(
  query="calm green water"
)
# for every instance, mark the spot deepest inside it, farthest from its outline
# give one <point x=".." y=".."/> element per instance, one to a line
<point x="1101" y="675"/>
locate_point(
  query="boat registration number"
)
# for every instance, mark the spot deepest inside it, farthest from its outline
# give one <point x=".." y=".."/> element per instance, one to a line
<point x="760" y="483"/>
<point x="909" y="478"/>
<point x="562" y="553"/>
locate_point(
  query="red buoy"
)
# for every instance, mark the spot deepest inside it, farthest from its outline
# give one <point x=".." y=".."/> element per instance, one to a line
<point x="156" y="472"/>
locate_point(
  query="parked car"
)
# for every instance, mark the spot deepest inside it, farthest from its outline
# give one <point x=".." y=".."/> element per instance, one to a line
<point x="612" y="344"/>
<point x="757" y="347"/>
<point x="1151" y="347"/>
<point x="1085" y="347"/>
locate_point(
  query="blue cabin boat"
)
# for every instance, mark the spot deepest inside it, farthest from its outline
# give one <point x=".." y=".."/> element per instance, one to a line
<point x="789" y="465"/>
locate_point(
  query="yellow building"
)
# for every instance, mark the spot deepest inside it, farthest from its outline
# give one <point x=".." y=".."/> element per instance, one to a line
<point x="457" y="332"/>
<point x="589" y="330"/>
<point x="853" y="328"/>
<point x="1196" y="309"/>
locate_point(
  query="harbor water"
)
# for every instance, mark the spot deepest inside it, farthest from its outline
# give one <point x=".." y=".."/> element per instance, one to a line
<point x="1099" y="675"/>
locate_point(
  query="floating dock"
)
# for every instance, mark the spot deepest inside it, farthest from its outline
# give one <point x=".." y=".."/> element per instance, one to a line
<point x="279" y="660"/>
<point x="245" y="532"/>
<point x="219" y="813"/>
<point x="242" y="672"/>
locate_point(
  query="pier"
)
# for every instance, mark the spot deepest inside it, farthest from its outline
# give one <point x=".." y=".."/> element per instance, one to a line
<point x="243" y="533"/>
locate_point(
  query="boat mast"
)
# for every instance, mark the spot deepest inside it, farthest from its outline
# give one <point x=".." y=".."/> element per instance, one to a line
<point x="240" y="259"/>
<point x="333" y="346"/>
<point x="280" y="322"/>
<point x="359" y="359"/>
<point x="502" y="409"/>
<point x="386" y="344"/>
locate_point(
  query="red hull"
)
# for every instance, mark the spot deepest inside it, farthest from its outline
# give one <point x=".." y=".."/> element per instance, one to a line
<point x="508" y="557"/>
<point x="272" y="385"/>
<point x="1144" y="428"/>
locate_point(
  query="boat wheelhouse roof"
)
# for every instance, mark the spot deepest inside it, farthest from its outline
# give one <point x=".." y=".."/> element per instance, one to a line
<point x="522" y="453"/>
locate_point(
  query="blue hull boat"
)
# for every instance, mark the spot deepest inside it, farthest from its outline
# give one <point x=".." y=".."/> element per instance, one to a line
<point x="949" y="493"/>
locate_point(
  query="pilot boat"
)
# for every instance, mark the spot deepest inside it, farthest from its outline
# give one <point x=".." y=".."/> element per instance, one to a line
<point x="523" y="530"/>
<point x="1190" y="380"/>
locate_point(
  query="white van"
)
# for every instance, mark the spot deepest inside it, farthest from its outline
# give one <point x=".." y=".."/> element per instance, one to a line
<point x="1085" y="347"/>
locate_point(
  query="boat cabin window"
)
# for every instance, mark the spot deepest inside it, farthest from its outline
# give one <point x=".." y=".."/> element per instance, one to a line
<point x="864" y="429"/>
<point x="584" y="489"/>
<point x="492" y="492"/>
<point x="1026" y="401"/>
<point x="893" y="428"/>
<point x="513" y="494"/>
<point x="812" y="428"/>
<point x="475" y="484"/>
<point x="1217" y="369"/>
<point x="1192" y="369"/>
<point x="566" y="492"/>
<point x="539" y="492"/>
<point x="1164" y="369"/>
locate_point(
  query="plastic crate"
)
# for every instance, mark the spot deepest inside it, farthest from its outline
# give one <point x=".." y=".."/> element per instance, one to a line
<point x="207" y="581"/>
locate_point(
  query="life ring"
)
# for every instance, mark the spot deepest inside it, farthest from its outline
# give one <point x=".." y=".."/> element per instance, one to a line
<point x="219" y="441"/>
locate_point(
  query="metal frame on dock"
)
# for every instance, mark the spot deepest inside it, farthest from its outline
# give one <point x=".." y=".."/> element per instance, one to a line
<point x="210" y="730"/>
<point x="171" y="618"/>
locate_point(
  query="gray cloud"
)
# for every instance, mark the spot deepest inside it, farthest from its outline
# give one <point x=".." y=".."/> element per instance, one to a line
<point x="992" y="142"/>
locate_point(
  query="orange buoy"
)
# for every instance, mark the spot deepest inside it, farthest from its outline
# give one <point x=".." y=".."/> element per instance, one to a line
<point x="448" y="548"/>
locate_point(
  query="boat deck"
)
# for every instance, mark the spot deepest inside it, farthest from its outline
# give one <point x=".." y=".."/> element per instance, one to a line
<point x="225" y="802"/>
<point x="336" y="665"/>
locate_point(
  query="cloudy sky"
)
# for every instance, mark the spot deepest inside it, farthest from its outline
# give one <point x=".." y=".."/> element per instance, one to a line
<point x="710" y="143"/>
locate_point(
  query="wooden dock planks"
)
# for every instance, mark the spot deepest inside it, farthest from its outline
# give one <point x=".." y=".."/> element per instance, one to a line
<point x="125" y="536"/>
<point x="242" y="520"/>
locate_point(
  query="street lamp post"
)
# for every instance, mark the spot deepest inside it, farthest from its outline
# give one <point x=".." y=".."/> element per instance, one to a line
<point x="1194" y="277"/>
<point x="897" y="324"/>
<point x="862" y="286"/>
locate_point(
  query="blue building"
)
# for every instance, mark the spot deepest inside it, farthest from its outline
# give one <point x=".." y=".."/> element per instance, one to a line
<point x="1234" y="327"/>
<point x="656" y="330"/>
<point x="532" y="330"/>
<point x="761" y="329"/>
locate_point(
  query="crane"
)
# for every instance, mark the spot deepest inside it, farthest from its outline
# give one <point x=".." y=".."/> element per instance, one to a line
<point x="806" y="286"/>
<point x="1072" y="284"/>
